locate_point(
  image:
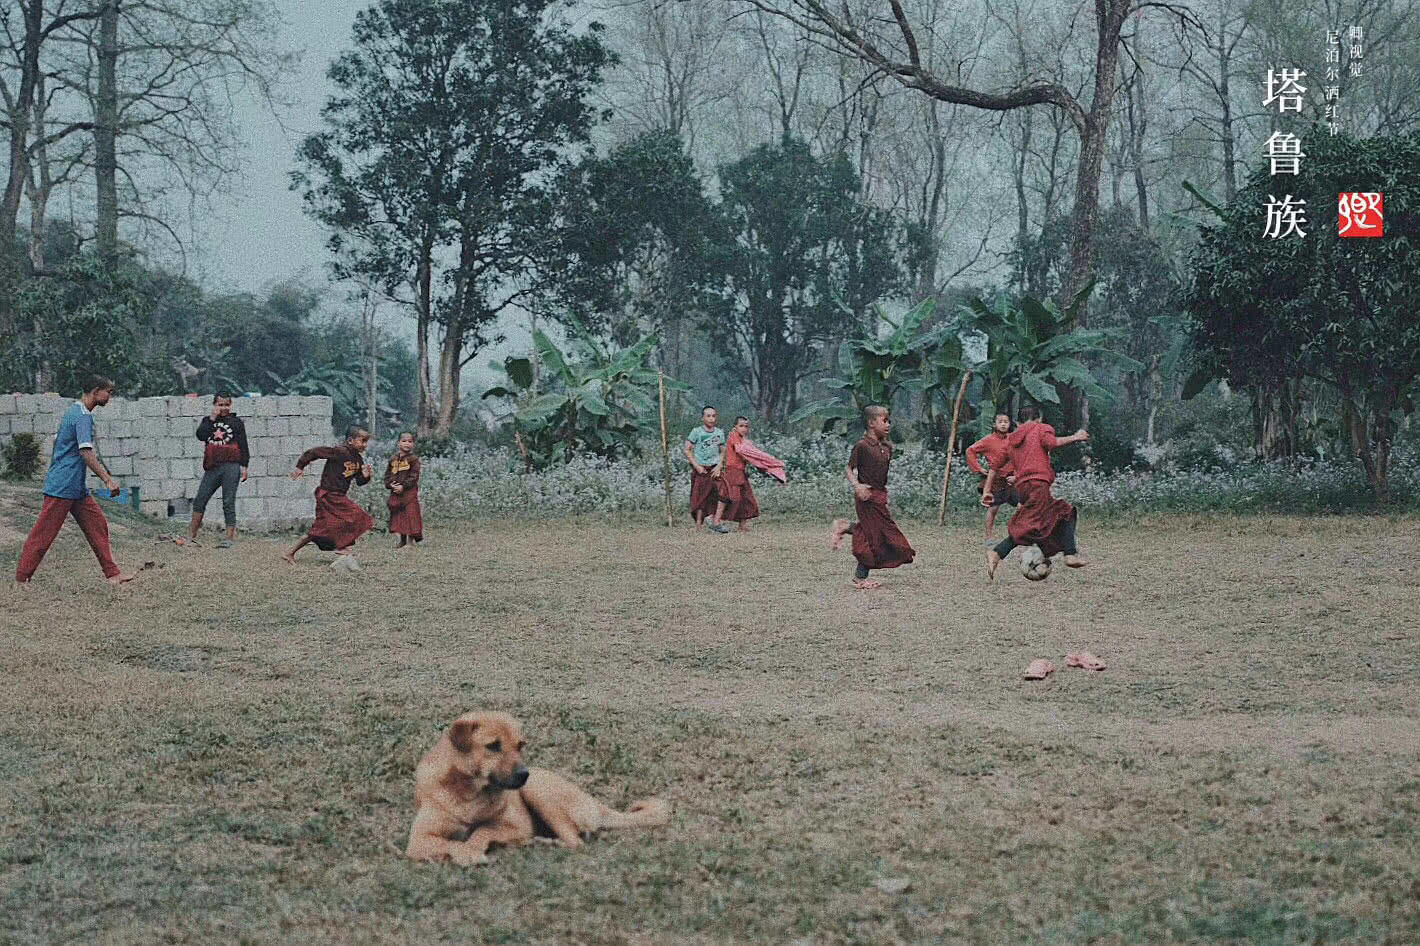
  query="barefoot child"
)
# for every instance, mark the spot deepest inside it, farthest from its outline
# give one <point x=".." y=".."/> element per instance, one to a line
<point x="703" y="447"/>
<point x="736" y="496"/>
<point x="1042" y="519"/>
<point x="402" y="480"/>
<point x="339" y="522"/>
<point x="998" y="454"/>
<point x="877" y="541"/>
<point x="66" y="492"/>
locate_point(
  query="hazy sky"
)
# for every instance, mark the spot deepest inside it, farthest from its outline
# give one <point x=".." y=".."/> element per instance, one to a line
<point x="258" y="233"/>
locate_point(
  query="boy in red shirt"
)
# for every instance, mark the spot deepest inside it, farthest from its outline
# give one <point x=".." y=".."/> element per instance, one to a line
<point x="877" y="541"/>
<point x="998" y="454"/>
<point x="1042" y="519"/>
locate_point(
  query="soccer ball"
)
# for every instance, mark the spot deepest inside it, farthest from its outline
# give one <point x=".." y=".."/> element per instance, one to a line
<point x="1034" y="564"/>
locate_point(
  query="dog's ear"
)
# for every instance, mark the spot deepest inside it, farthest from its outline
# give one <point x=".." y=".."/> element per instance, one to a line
<point x="461" y="734"/>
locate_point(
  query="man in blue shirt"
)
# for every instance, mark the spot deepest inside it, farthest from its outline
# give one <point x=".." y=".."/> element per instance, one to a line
<point x="65" y="492"/>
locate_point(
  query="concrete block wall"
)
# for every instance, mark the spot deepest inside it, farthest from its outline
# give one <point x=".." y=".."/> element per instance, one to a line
<point x="152" y="443"/>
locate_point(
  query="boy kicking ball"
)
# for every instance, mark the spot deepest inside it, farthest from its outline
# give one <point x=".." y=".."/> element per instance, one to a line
<point x="339" y="522"/>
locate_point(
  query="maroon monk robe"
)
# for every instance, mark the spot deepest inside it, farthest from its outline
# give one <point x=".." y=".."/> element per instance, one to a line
<point x="1038" y="518"/>
<point x="877" y="541"/>
<point x="704" y="494"/>
<point x="339" y="521"/>
<point x="406" y="516"/>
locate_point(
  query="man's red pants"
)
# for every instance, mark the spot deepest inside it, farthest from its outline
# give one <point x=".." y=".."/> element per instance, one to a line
<point x="91" y="520"/>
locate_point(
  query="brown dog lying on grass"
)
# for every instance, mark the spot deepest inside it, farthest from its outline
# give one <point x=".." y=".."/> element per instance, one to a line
<point x="472" y="790"/>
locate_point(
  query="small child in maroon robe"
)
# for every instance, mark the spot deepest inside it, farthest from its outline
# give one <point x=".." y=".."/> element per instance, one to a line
<point x="1042" y="519"/>
<point x="402" y="480"/>
<point x="339" y="521"/>
<point x="877" y="541"/>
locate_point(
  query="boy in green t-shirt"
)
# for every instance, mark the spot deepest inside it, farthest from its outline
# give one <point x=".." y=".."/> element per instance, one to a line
<point x="704" y="448"/>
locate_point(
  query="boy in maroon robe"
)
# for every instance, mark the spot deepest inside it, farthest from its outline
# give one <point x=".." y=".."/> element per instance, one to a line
<point x="339" y="522"/>
<point x="1042" y="519"/>
<point x="877" y="541"/>
<point x="998" y="455"/>
<point x="402" y="480"/>
<point x="736" y="495"/>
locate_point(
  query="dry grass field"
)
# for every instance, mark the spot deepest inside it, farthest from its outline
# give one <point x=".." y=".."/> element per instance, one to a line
<point x="223" y="751"/>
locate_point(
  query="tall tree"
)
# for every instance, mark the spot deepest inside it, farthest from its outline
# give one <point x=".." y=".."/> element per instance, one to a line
<point x="634" y="253"/>
<point x="804" y="261"/>
<point x="434" y="172"/>
<point x="1334" y="309"/>
<point x="889" y="41"/>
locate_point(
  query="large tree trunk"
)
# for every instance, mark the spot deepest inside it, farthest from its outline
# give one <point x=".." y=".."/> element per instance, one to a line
<point x="450" y="364"/>
<point x="106" y="134"/>
<point x="424" y="315"/>
<point x="1109" y="18"/>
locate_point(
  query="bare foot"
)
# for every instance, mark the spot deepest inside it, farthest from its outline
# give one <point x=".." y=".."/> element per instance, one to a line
<point x="289" y="556"/>
<point x="741" y="529"/>
<point x="992" y="560"/>
<point x="866" y="584"/>
<point x="836" y="531"/>
<point x="121" y="578"/>
<point x="1075" y="561"/>
<point x="22" y="585"/>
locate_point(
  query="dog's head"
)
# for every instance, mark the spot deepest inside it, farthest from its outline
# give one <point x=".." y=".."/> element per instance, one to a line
<point x="488" y="750"/>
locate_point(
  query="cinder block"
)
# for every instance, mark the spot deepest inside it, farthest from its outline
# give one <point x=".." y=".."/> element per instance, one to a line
<point x="154" y="507"/>
<point x="147" y="448"/>
<point x="293" y="444"/>
<point x="195" y="406"/>
<point x="169" y="448"/>
<point x="256" y="467"/>
<point x="26" y="404"/>
<point x="278" y="426"/>
<point x="181" y="427"/>
<point x="319" y="405"/>
<point x="194" y="448"/>
<point x="152" y="428"/>
<point x="7" y="403"/>
<point x="4" y="425"/>
<point x="183" y="469"/>
<point x="152" y="407"/>
<point x="249" y="508"/>
<point x="173" y="489"/>
<point x="151" y="471"/>
<point x="189" y="488"/>
<point x="22" y="423"/>
<point x="263" y="407"/>
<point x="128" y="409"/>
<point x="119" y="466"/>
<point x="256" y="427"/>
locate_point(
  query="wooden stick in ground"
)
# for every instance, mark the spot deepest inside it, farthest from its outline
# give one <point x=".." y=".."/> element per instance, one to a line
<point x="951" y="447"/>
<point x="665" y="445"/>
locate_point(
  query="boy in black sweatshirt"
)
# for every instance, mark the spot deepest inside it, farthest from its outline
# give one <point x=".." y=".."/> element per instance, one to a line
<point x="224" y="463"/>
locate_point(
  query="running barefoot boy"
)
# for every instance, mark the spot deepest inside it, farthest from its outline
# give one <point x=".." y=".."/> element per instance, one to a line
<point x="402" y="480"/>
<point x="877" y="541"/>
<point x="339" y="522"/>
<point x="998" y="454"/>
<point x="703" y="448"/>
<point x="736" y="495"/>
<point x="1042" y="519"/>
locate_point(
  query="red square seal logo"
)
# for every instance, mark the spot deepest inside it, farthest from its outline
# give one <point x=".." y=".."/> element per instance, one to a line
<point x="1360" y="215"/>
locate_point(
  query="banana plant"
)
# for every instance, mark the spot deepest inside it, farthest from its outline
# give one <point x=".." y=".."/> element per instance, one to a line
<point x="597" y="404"/>
<point x="874" y="370"/>
<point x="1032" y="348"/>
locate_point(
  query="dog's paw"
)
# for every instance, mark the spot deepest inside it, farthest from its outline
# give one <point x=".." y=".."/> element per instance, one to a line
<point x="469" y="859"/>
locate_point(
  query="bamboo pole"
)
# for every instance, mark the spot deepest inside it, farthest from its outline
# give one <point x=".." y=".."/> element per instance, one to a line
<point x="665" y="445"/>
<point x="951" y="447"/>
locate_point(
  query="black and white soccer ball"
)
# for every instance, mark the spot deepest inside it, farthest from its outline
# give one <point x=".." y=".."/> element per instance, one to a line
<point x="1035" y="565"/>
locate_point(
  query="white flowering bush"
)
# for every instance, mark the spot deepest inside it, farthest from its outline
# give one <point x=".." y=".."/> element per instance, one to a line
<point x="482" y="482"/>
